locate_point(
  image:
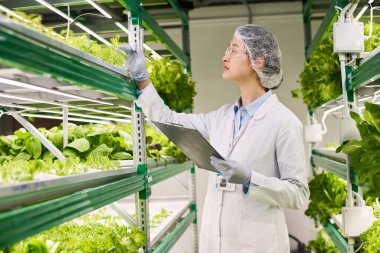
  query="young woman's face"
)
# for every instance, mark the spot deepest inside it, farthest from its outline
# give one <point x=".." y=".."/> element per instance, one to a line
<point x="236" y="64"/>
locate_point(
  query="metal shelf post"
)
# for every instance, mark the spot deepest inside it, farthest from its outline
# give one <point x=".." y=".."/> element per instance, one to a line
<point x="193" y="199"/>
<point x="139" y="158"/>
<point x="139" y="142"/>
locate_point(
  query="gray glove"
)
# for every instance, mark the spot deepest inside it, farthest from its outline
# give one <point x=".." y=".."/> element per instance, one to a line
<point x="231" y="171"/>
<point x="135" y="62"/>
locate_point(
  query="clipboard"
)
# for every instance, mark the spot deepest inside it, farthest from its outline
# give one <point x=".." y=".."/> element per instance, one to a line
<point x="192" y="144"/>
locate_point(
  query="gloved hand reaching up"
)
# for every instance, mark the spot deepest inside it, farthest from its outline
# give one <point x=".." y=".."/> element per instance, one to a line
<point x="232" y="171"/>
<point x="135" y="62"/>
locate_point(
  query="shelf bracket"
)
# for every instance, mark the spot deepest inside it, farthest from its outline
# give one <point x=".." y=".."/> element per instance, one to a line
<point x="181" y="182"/>
<point x="123" y="214"/>
<point x="34" y="131"/>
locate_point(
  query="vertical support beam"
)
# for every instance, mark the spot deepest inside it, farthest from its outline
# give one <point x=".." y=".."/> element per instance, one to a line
<point x="306" y="9"/>
<point x="186" y="40"/>
<point x="193" y="199"/>
<point x="139" y="142"/>
<point x="65" y="114"/>
<point x="139" y="160"/>
<point x="350" y="91"/>
<point x="134" y="29"/>
<point x="345" y="130"/>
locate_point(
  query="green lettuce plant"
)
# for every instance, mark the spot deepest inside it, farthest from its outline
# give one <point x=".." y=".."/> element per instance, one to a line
<point x="173" y="84"/>
<point x="90" y="233"/>
<point x="321" y="78"/>
<point x="327" y="197"/>
<point x="371" y="239"/>
<point x="364" y="154"/>
<point x="322" y="244"/>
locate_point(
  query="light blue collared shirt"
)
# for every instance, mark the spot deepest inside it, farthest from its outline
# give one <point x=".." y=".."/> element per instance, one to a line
<point x="242" y="116"/>
<point x="244" y="113"/>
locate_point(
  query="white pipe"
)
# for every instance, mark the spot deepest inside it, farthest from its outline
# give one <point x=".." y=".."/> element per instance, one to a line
<point x="343" y="12"/>
<point x="100" y="9"/>
<point x="365" y="7"/>
<point x="325" y="114"/>
<point x="84" y="28"/>
<point x="352" y="9"/>
<point x="52" y="8"/>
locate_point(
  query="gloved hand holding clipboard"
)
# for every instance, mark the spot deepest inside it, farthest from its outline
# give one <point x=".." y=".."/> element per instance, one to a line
<point x="192" y="144"/>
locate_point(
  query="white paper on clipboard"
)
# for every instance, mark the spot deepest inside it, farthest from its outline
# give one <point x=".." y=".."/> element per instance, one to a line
<point x="192" y="144"/>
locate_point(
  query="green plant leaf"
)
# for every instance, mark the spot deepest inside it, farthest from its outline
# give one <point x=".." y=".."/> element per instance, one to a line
<point x="81" y="145"/>
<point x="33" y="146"/>
<point x="101" y="150"/>
<point x="351" y="146"/>
<point x="122" y="156"/>
<point x="22" y="156"/>
<point x="372" y="115"/>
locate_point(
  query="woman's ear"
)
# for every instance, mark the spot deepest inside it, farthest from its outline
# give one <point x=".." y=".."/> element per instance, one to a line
<point x="258" y="63"/>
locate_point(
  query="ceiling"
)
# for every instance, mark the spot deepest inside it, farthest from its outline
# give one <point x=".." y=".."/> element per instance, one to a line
<point x="161" y="11"/>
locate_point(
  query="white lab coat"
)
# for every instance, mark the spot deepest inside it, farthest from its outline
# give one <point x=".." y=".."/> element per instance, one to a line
<point x="271" y="145"/>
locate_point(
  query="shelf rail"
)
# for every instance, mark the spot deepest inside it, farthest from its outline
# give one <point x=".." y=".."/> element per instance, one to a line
<point x="33" y="52"/>
<point x="168" y="242"/>
<point x="339" y="241"/>
<point x="24" y="222"/>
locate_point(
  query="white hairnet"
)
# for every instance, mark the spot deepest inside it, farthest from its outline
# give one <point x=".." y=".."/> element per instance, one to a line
<point x="261" y="43"/>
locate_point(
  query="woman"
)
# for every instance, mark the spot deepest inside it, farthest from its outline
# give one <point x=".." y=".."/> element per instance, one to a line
<point x="260" y="139"/>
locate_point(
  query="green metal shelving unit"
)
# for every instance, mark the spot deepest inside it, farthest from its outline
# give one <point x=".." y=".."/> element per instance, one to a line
<point x="176" y="233"/>
<point x="339" y="241"/>
<point x="21" y="223"/>
<point x="366" y="74"/>
<point x="324" y="28"/>
<point x="162" y="173"/>
<point x="36" y="191"/>
<point x="33" y="207"/>
<point x="42" y="55"/>
<point x="330" y="164"/>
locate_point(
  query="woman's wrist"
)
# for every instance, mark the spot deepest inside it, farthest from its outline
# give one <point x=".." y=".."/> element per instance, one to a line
<point x="142" y="84"/>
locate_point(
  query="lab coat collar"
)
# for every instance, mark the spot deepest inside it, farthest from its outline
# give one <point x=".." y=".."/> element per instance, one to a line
<point x="254" y="105"/>
<point x="266" y="107"/>
<point x="263" y="110"/>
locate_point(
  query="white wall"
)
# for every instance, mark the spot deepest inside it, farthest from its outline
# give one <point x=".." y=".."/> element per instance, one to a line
<point x="211" y="30"/>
